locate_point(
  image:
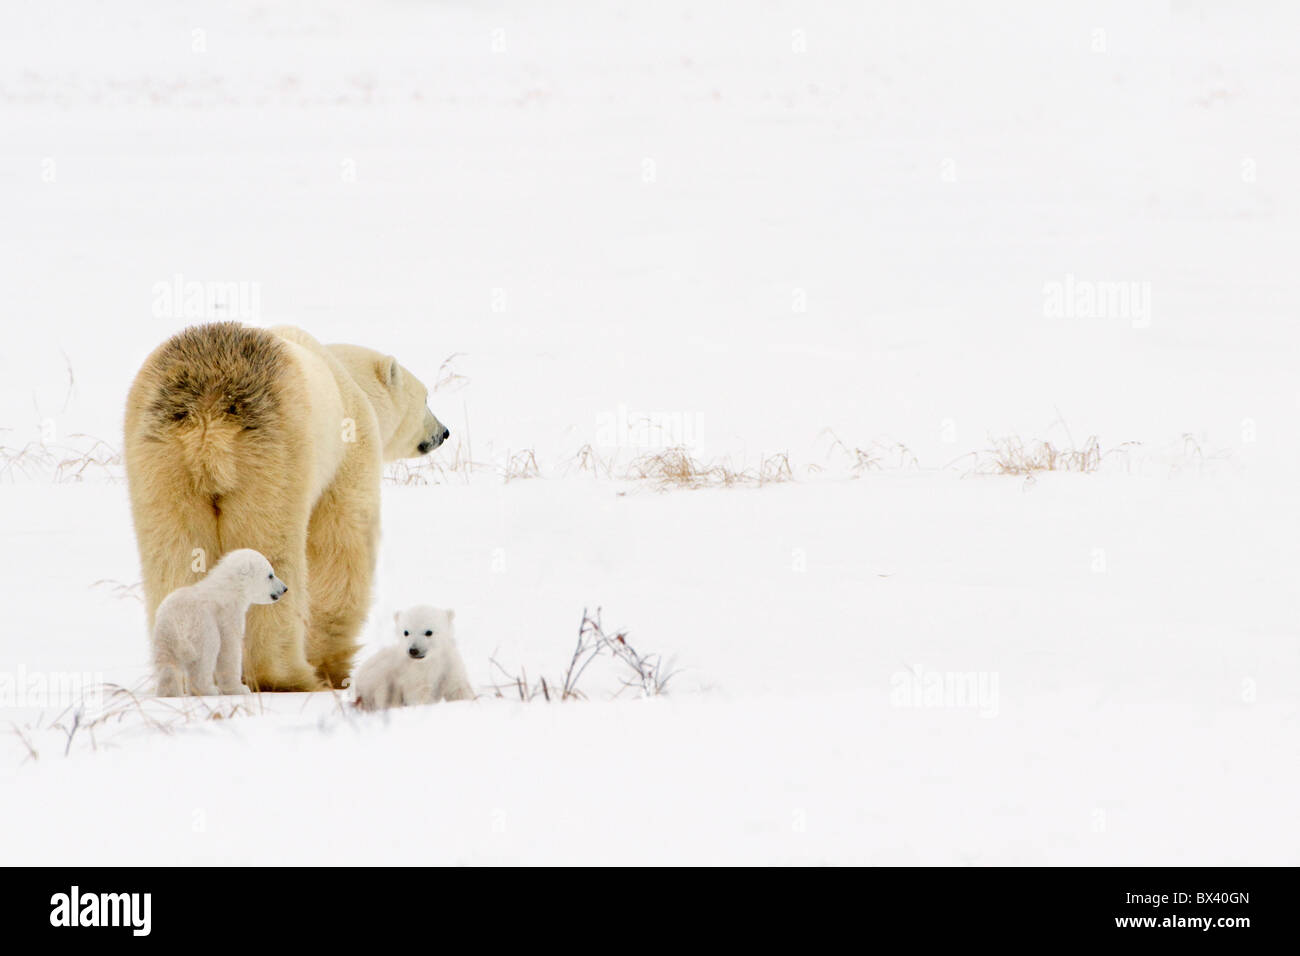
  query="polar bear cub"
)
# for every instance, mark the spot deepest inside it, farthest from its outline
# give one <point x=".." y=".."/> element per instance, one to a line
<point x="424" y="665"/>
<point x="198" y="634"/>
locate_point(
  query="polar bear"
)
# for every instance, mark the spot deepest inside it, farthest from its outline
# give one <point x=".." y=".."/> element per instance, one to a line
<point x="198" y="632"/>
<point x="423" y="667"/>
<point x="239" y="437"/>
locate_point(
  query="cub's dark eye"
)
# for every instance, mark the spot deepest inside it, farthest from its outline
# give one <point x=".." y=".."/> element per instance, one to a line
<point x="271" y="575"/>
<point x="428" y="633"/>
<point x="406" y="634"/>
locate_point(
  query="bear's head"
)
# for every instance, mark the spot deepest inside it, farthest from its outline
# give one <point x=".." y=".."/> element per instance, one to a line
<point x="406" y="425"/>
<point x="419" y="628"/>
<point x="254" y="575"/>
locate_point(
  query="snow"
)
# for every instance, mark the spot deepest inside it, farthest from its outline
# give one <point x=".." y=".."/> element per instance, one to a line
<point x="771" y="227"/>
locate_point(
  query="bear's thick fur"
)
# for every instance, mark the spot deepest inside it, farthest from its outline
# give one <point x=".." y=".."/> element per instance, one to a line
<point x="239" y="437"/>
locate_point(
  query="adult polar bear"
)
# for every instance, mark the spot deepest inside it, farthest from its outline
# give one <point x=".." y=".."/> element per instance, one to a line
<point x="240" y="437"/>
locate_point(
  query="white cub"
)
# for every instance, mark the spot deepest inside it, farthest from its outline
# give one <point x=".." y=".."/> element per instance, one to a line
<point x="424" y="665"/>
<point x="198" y="632"/>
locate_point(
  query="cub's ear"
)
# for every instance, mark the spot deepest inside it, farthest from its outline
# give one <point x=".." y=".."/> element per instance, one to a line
<point x="451" y="615"/>
<point x="387" y="370"/>
<point x="396" y="616"/>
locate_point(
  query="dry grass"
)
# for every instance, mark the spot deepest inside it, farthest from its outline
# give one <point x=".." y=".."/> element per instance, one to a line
<point x="133" y="592"/>
<point x="666" y="468"/>
<point x="422" y="471"/>
<point x="58" y="462"/>
<point x="647" y="674"/>
<point x="32" y="459"/>
<point x="107" y="711"/>
<point x="1194" y="458"/>
<point x="875" y="456"/>
<point x="1014" y="456"/>
<point x="775" y="468"/>
<point x="589" y="461"/>
<point x="448" y="462"/>
<point x="99" y="456"/>
<point x="1011" y="456"/>
<point x="675" y="468"/>
<point x="446" y="378"/>
<point x="123" y="708"/>
<point x="521" y="465"/>
<point x="61" y="463"/>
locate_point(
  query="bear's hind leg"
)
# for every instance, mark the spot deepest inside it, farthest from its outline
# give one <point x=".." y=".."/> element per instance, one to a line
<point x="274" y="523"/>
<point x="341" y="547"/>
<point x="171" y="661"/>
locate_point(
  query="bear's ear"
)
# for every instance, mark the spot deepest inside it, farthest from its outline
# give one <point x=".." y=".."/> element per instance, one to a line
<point x="387" y="370"/>
<point x="396" y="616"/>
<point x="451" y="615"/>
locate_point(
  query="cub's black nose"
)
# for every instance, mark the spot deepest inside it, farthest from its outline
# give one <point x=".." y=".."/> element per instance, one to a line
<point x="413" y="652"/>
<point x="446" y="433"/>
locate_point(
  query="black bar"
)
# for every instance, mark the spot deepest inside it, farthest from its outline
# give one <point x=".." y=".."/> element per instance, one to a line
<point x="958" y="906"/>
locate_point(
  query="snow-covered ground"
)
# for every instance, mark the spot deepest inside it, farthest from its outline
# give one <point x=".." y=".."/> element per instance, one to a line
<point x="772" y="230"/>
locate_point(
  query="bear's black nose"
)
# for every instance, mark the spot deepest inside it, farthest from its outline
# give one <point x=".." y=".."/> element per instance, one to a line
<point x="414" y="653"/>
<point x="446" y="433"/>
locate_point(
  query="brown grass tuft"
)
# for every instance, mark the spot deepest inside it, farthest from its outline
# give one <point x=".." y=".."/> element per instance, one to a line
<point x="1011" y="456"/>
<point x="775" y="468"/>
<point x="521" y="465"/>
<point x="675" y="468"/>
<point x="588" y="460"/>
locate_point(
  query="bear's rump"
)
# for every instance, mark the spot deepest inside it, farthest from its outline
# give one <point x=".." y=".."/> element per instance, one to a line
<point x="213" y="398"/>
